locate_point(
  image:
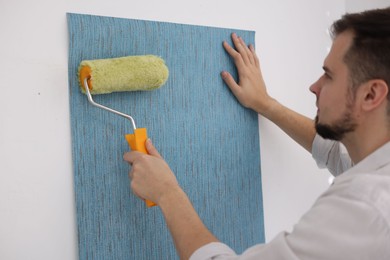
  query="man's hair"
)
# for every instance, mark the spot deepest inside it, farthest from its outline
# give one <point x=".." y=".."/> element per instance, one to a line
<point x="369" y="54"/>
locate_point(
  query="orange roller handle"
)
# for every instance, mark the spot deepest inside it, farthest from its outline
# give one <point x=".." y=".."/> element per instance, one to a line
<point x="137" y="143"/>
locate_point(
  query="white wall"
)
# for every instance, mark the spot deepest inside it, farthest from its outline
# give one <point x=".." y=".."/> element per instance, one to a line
<point x="361" y="5"/>
<point x="292" y="52"/>
<point x="37" y="211"/>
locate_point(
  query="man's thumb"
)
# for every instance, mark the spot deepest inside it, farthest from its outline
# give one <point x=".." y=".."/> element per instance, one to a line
<point x="151" y="149"/>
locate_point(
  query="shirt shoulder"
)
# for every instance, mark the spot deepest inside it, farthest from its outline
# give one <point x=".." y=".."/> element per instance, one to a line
<point x="371" y="188"/>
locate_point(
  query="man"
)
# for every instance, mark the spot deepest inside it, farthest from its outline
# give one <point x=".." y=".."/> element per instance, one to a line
<point x="351" y="220"/>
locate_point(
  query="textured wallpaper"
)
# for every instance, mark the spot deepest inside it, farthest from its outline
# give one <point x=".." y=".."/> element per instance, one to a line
<point x="210" y="141"/>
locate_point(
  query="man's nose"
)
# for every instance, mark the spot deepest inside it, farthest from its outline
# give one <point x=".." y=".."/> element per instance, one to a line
<point x="315" y="88"/>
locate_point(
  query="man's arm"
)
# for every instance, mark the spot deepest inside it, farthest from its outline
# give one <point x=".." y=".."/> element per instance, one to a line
<point x="152" y="179"/>
<point x="251" y="92"/>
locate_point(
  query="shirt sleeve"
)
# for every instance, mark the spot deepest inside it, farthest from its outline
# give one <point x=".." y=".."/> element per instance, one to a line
<point x="215" y="250"/>
<point x="331" y="154"/>
<point x="277" y="249"/>
<point x="338" y="227"/>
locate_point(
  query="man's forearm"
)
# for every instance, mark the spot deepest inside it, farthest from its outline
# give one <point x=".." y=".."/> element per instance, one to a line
<point x="297" y="126"/>
<point x="187" y="229"/>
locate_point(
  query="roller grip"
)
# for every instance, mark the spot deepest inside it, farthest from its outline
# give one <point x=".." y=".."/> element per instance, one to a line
<point x="137" y="143"/>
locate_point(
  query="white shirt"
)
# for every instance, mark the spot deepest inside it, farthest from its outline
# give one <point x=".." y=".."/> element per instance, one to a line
<point x="351" y="220"/>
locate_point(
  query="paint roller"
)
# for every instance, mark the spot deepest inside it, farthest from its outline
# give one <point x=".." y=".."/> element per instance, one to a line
<point x="131" y="73"/>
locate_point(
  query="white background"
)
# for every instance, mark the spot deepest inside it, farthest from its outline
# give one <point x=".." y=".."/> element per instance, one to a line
<point x="37" y="209"/>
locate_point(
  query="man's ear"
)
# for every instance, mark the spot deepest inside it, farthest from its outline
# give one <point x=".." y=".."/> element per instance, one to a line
<point x="374" y="94"/>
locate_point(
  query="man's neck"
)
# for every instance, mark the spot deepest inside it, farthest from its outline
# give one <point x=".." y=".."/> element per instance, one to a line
<point x="362" y="143"/>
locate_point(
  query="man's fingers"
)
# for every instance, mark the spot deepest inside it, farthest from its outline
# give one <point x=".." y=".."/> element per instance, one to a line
<point x="256" y="59"/>
<point x="130" y="156"/>
<point x="241" y="48"/>
<point x="238" y="60"/>
<point x="232" y="84"/>
<point x="237" y="57"/>
<point x="247" y="50"/>
<point x="242" y="55"/>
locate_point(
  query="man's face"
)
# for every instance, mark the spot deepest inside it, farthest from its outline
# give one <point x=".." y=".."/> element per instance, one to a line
<point x="335" y="100"/>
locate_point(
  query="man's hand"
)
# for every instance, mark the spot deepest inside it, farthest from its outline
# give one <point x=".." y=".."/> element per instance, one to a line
<point x="251" y="93"/>
<point x="250" y="89"/>
<point x="151" y="177"/>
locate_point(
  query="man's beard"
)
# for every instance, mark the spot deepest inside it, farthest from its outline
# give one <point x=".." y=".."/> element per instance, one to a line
<point x="338" y="129"/>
